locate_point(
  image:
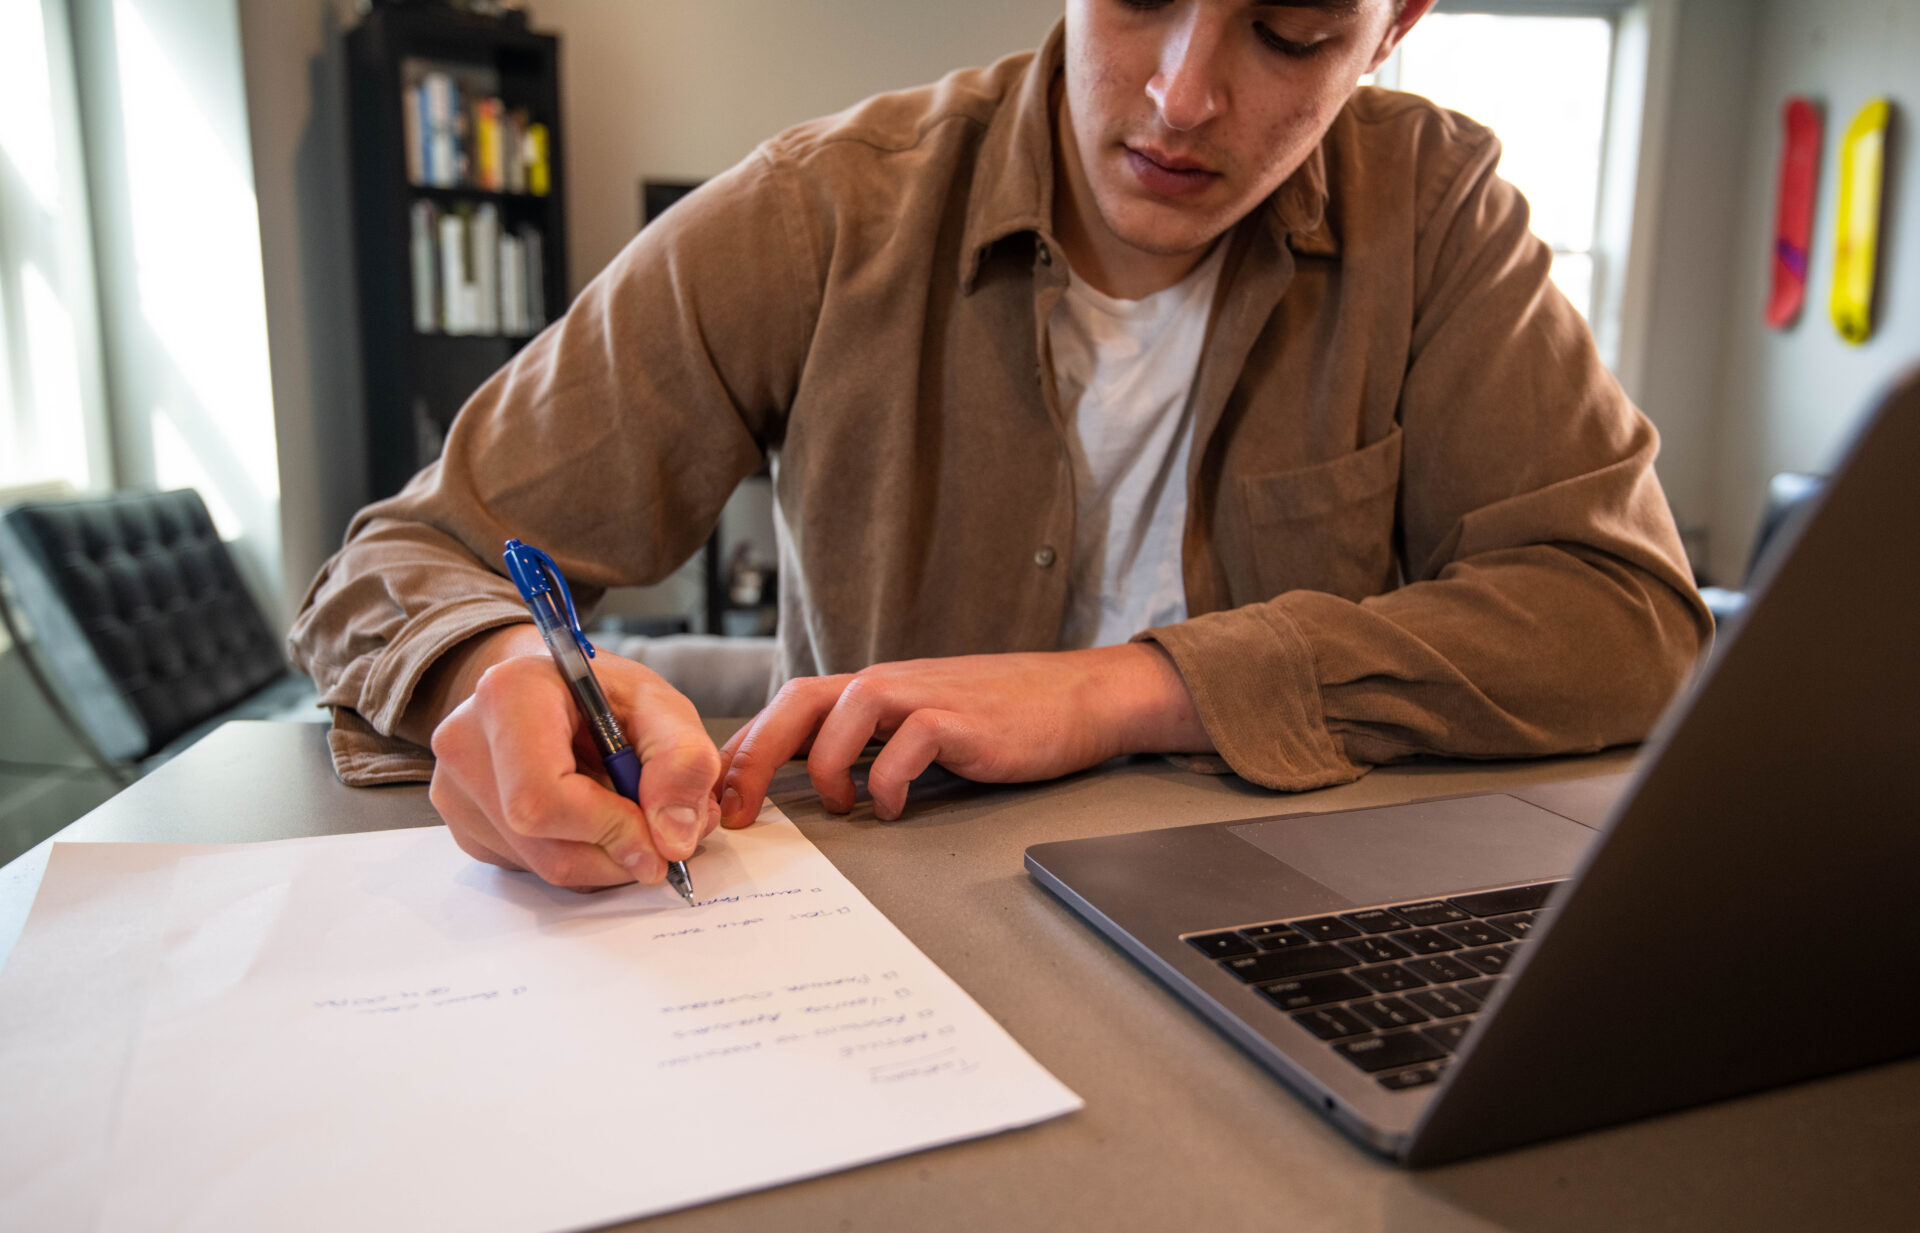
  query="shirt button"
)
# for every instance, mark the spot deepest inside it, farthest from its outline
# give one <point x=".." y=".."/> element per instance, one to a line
<point x="1045" y="254"/>
<point x="1044" y="557"/>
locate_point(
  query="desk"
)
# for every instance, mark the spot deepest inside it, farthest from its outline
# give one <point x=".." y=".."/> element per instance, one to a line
<point x="1181" y="1130"/>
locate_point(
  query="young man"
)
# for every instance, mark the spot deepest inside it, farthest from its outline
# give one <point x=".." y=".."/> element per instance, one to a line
<point x="1156" y="392"/>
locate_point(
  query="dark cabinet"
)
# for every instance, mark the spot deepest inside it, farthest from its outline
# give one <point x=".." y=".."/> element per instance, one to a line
<point x="459" y="214"/>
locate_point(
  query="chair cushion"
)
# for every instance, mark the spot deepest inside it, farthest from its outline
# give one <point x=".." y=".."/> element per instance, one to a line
<point x="155" y="593"/>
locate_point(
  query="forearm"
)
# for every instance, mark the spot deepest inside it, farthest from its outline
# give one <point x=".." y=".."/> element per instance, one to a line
<point x="454" y="676"/>
<point x="1525" y="653"/>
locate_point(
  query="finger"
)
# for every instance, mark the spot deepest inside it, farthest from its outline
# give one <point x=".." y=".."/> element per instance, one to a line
<point x="920" y="741"/>
<point x="465" y="806"/>
<point x="541" y="797"/>
<point x="679" y="766"/>
<point x="776" y="734"/>
<point x="470" y="830"/>
<point x="864" y="706"/>
<point x="578" y="866"/>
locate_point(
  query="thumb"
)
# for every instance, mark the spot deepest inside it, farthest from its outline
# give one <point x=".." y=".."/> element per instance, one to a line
<point x="678" y="771"/>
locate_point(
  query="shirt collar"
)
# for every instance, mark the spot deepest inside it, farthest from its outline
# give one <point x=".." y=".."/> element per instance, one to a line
<point x="1012" y="189"/>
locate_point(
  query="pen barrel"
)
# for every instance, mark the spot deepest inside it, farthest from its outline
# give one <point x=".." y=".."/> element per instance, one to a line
<point x="623" y="767"/>
<point x="578" y="674"/>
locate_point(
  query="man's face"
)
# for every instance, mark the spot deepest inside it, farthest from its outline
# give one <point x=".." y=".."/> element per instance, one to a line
<point x="1188" y="113"/>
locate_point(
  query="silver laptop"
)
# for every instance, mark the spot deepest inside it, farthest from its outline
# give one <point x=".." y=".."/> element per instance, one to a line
<point x="1458" y="976"/>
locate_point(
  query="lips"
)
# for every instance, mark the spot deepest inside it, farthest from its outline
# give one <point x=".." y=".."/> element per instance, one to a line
<point x="1168" y="175"/>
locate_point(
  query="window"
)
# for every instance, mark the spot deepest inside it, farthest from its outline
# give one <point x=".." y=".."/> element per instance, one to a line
<point x="52" y="428"/>
<point x="1544" y="76"/>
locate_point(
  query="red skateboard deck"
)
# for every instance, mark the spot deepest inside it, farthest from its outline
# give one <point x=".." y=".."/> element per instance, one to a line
<point x="1793" y="219"/>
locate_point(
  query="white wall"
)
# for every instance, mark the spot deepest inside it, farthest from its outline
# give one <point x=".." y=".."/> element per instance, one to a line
<point x="1687" y="250"/>
<point x="1789" y="400"/>
<point x="297" y="95"/>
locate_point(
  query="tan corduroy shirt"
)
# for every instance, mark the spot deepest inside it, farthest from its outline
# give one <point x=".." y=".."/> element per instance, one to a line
<point x="1423" y="518"/>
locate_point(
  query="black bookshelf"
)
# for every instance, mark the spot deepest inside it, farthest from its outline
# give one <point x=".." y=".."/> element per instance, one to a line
<point x="416" y="381"/>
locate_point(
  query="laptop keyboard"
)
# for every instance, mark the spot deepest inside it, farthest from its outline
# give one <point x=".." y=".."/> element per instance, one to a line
<point x="1392" y="989"/>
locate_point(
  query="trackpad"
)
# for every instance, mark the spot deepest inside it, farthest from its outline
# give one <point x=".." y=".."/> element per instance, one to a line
<point x="1424" y="849"/>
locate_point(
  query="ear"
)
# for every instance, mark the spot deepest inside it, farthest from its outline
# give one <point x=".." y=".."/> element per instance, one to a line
<point x="1410" y="12"/>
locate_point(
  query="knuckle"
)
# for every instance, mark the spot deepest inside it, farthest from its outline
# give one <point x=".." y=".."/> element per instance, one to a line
<point x="563" y="868"/>
<point x="527" y="812"/>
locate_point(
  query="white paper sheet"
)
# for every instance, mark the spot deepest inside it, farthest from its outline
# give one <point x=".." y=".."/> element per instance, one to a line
<point x="70" y="1008"/>
<point x="373" y="1032"/>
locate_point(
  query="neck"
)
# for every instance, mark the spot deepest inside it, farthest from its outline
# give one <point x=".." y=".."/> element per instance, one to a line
<point x="1099" y="257"/>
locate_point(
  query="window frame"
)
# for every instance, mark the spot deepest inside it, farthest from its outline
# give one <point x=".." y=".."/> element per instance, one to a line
<point x="1638" y="71"/>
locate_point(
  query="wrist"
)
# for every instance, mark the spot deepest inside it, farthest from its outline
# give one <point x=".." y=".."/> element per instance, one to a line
<point x="451" y="679"/>
<point x="1146" y="702"/>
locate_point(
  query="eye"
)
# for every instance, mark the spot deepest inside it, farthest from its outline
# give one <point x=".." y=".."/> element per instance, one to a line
<point x="1286" y="46"/>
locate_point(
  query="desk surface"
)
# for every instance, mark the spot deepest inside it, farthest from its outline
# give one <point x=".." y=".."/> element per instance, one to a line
<point x="1180" y="1129"/>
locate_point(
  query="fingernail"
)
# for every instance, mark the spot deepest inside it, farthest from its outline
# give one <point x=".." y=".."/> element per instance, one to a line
<point x="679" y="827"/>
<point x="729" y="805"/>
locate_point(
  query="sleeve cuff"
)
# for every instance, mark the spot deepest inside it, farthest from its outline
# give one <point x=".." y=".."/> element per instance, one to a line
<point x="1250" y="671"/>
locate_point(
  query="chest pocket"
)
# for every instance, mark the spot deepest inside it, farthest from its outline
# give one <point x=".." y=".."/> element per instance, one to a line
<point x="1328" y="527"/>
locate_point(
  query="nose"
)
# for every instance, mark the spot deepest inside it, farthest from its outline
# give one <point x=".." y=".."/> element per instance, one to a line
<point x="1187" y="89"/>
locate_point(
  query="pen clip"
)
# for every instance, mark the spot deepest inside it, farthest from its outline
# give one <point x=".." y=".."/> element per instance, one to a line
<point x="534" y="572"/>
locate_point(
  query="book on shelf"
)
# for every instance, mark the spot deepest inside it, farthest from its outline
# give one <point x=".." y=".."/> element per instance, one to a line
<point x="460" y="133"/>
<point x="471" y="275"/>
<point x="421" y="245"/>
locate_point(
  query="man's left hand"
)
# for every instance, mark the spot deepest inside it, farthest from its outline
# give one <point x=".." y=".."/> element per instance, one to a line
<point x="992" y="718"/>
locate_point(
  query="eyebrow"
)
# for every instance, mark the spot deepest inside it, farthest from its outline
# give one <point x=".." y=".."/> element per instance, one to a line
<point x="1345" y="8"/>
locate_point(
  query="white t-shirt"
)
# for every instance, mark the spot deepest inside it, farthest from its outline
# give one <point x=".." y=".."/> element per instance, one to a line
<point x="1124" y="369"/>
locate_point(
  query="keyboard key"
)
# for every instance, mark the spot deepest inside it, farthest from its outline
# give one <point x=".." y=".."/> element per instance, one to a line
<point x="1222" y="945"/>
<point x="1389" y="978"/>
<point x="1374" y="920"/>
<point x="1499" y="902"/>
<point x="1480" y="990"/>
<point x="1401" y="1080"/>
<point x="1388" y="1013"/>
<point x="1269" y="965"/>
<point x="1448" y="1035"/>
<point x="1518" y="925"/>
<point x="1444" y="1003"/>
<point x="1428" y="941"/>
<point x="1440" y="969"/>
<point x="1258" y="931"/>
<point x="1331" y="1022"/>
<point x="1393" y="1051"/>
<point x="1493" y="960"/>
<point x="1282" y="941"/>
<point x="1325" y="928"/>
<point x="1432" y="912"/>
<point x="1313" y="990"/>
<point x="1374" y="950"/>
<point x="1474" y="933"/>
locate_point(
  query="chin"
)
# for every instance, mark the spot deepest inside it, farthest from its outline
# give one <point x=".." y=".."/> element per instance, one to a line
<point x="1166" y="230"/>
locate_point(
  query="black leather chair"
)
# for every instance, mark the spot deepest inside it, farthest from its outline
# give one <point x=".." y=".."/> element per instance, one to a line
<point x="135" y="624"/>
<point x="1790" y="494"/>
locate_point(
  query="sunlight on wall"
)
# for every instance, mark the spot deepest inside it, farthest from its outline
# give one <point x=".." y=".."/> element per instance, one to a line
<point x="197" y="254"/>
<point x="181" y="467"/>
<point x="60" y="444"/>
<point x="10" y="422"/>
<point x="26" y="101"/>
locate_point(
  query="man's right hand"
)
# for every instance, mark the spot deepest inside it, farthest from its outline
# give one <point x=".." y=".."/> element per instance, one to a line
<point x="519" y="782"/>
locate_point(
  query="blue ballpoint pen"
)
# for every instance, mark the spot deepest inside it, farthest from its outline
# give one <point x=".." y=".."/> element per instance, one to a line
<point x="539" y="579"/>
